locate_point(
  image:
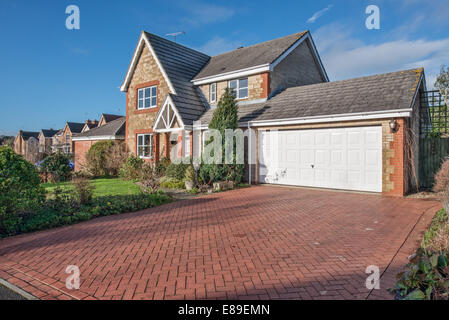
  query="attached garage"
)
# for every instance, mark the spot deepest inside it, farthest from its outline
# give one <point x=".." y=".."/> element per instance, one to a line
<point x="338" y="158"/>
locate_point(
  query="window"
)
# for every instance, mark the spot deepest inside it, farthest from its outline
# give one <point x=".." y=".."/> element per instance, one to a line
<point x="213" y="92"/>
<point x="67" y="138"/>
<point x="240" y="88"/>
<point x="145" y="145"/>
<point x="147" y="97"/>
<point x="187" y="145"/>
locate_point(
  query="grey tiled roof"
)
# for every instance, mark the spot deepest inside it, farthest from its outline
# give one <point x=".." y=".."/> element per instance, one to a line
<point x="48" y="133"/>
<point x="110" y="117"/>
<point x="29" y="134"/>
<point x="383" y="92"/>
<point x="75" y="127"/>
<point x="255" y="55"/>
<point x="114" y="128"/>
<point x="181" y="64"/>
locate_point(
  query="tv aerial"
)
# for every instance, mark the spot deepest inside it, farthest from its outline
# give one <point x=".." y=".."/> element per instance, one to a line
<point x="175" y="34"/>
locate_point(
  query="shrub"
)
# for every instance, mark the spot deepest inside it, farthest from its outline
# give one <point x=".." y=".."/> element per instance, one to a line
<point x="210" y="173"/>
<point x="20" y="189"/>
<point x="58" y="166"/>
<point x="83" y="190"/>
<point x="172" y="183"/>
<point x="105" y="158"/>
<point x="426" y="277"/>
<point x="132" y="168"/>
<point x="442" y="183"/>
<point x="190" y="174"/>
<point x="161" y="166"/>
<point x="176" y="171"/>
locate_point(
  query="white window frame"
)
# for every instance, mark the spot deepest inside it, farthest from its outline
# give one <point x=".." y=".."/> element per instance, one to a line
<point x="213" y="92"/>
<point x="144" y="98"/>
<point x="143" y="146"/>
<point x="187" y="145"/>
<point x="237" y="88"/>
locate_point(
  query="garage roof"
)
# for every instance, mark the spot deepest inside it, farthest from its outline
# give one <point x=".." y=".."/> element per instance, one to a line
<point x="382" y="92"/>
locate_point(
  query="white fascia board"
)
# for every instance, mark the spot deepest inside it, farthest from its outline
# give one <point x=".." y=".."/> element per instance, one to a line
<point x="143" y="39"/>
<point x="402" y="113"/>
<point x="168" y="102"/>
<point x="233" y="74"/>
<point x="168" y="130"/>
<point x="95" y="138"/>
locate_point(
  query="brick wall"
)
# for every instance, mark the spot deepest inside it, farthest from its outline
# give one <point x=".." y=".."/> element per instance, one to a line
<point x="146" y="73"/>
<point x="80" y="150"/>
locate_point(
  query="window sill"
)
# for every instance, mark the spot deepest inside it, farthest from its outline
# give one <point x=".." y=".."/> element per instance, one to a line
<point x="148" y="110"/>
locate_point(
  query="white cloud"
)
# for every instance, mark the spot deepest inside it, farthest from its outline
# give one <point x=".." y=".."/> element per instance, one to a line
<point x="346" y="57"/>
<point x="219" y="45"/>
<point x="318" y="14"/>
<point x="203" y="13"/>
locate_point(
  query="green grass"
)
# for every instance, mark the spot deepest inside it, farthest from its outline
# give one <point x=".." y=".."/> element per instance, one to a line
<point x="103" y="187"/>
<point x="438" y="222"/>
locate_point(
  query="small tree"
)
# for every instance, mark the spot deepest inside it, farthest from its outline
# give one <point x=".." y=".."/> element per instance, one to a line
<point x="442" y="82"/>
<point x="58" y="165"/>
<point x="105" y="158"/>
<point x="224" y="117"/>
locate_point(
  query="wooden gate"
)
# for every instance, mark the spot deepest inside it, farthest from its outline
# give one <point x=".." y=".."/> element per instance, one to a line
<point x="432" y="153"/>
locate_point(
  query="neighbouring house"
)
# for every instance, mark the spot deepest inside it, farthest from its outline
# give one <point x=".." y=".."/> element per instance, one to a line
<point x="46" y="140"/>
<point x="89" y="124"/>
<point x="63" y="139"/>
<point x="357" y="134"/>
<point x="113" y="130"/>
<point x="56" y="141"/>
<point x="106" y="118"/>
<point x="27" y="145"/>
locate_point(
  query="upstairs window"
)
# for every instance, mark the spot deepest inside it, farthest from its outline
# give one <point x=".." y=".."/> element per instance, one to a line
<point x="239" y="88"/>
<point x="147" y="97"/>
<point x="145" y="145"/>
<point x="213" y="92"/>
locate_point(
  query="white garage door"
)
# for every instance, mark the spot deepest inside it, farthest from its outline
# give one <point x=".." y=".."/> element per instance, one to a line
<point x="340" y="158"/>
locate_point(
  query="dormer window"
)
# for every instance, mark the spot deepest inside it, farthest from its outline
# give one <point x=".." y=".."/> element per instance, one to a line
<point x="147" y="97"/>
<point x="239" y="88"/>
<point x="213" y="93"/>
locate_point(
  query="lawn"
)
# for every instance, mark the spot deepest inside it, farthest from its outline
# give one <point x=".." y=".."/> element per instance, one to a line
<point x="103" y="187"/>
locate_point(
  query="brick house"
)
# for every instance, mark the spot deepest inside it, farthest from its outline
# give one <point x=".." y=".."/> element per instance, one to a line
<point x="112" y="130"/>
<point x="63" y="139"/>
<point x="27" y="145"/>
<point x="357" y="134"/>
<point x="46" y="140"/>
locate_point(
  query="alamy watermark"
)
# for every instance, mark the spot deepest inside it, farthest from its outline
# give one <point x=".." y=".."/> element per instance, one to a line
<point x="73" y="21"/>
<point x="373" y="280"/>
<point x="72" y="282"/>
<point x="373" y="20"/>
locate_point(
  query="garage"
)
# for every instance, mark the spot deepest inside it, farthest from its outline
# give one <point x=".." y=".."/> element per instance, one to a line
<point x="338" y="158"/>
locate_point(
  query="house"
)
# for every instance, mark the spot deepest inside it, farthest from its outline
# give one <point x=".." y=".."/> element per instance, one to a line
<point x="106" y="118"/>
<point x="89" y="124"/>
<point x="357" y="134"/>
<point x="27" y="145"/>
<point x="64" y="139"/>
<point x="46" y="140"/>
<point x="56" y="141"/>
<point x="113" y="130"/>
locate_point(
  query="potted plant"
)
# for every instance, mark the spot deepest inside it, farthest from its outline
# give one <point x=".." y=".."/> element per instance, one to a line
<point x="190" y="178"/>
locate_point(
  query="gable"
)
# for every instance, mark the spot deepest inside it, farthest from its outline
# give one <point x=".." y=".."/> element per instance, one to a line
<point x="168" y="118"/>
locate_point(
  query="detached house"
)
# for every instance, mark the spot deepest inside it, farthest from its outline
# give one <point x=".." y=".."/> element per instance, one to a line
<point x="27" y="145"/>
<point x="63" y="139"/>
<point x="46" y="140"/>
<point x="357" y="134"/>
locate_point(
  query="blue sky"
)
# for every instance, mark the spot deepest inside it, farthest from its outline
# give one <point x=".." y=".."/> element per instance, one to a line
<point x="50" y="75"/>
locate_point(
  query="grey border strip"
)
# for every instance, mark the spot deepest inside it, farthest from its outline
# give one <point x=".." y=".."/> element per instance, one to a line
<point x="17" y="290"/>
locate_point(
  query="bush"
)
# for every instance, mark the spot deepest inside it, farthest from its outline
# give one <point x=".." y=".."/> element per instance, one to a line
<point x="161" y="167"/>
<point x="176" y="171"/>
<point x="442" y="183"/>
<point x="190" y="174"/>
<point x="83" y="190"/>
<point x="58" y="166"/>
<point x="20" y="189"/>
<point x="132" y="168"/>
<point x="172" y="183"/>
<point x="105" y="158"/>
<point x="426" y="277"/>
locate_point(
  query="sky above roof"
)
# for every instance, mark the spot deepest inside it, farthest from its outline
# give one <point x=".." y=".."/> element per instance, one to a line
<point x="51" y="75"/>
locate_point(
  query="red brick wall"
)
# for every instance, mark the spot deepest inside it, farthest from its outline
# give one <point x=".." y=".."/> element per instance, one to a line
<point x="398" y="161"/>
<point x="80" y="150"/>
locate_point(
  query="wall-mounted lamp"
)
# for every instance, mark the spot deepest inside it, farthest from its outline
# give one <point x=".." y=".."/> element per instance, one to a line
<point x="393" y="125"/>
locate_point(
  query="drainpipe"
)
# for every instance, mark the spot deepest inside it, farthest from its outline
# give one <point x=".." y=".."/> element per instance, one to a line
<point x="249" y="154"/>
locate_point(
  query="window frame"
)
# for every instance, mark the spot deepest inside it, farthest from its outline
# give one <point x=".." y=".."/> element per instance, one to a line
<point x="214" y="92"/>
<point x="150" y="146"/>
<point x="187" y="145"/>
<point x="238" y="88"/>
<point x="145" y="98"/>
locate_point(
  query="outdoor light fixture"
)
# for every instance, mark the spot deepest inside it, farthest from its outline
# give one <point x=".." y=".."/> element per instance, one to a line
<point x="393" y="125"/>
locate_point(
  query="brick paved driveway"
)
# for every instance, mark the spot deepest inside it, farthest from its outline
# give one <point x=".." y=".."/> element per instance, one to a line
<point x="256" y="243"/>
